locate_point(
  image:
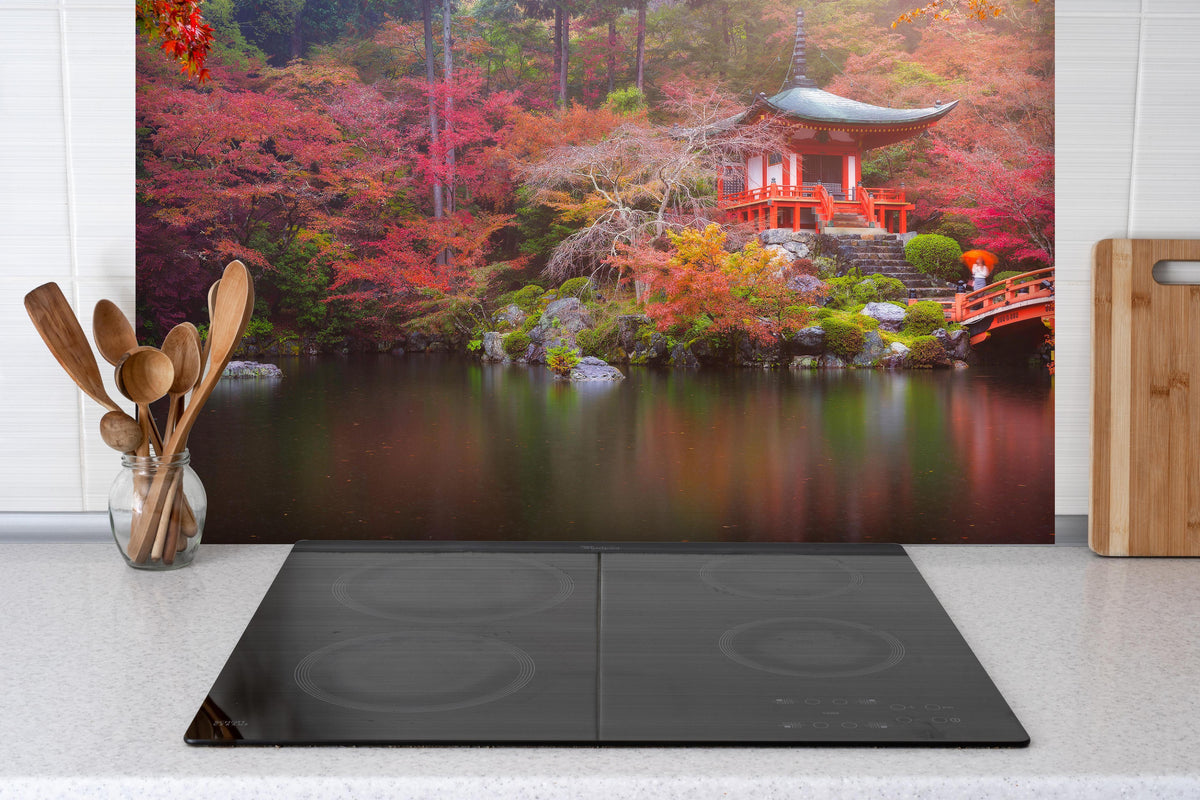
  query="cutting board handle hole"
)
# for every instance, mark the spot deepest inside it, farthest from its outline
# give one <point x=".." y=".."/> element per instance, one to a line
<point x="1174" y="273"/>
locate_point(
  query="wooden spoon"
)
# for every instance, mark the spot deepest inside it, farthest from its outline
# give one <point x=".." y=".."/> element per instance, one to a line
<point x="144" y="375"/>
<point x="180" y="346"/>
<point x="121" y="432"/>
<point x="59" y="328"/>
<point x="212" y="312"/>
<point x="112" y="331"/>
<point x="231" y="314"/>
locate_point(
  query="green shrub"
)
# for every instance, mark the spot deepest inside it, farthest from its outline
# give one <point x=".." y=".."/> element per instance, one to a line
<point x="515" y="344"/>
<point x="626" y="101"/>
<point x="825" y="312"/>
<point x="576" y="287"/>
<point x="852" y="290"/>
<point x="601" y="341"/>
<point x="1003" y="276"/>
<point x="842" y="338"/>
<point x="926" y="352"/>
<point x="562" y="359"/>
<point x="527" y="296"/>
<point x="924" y="318"/>
<point x="935" y="255"/>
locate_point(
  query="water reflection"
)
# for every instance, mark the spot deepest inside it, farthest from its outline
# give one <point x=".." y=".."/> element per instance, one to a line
<point x="438" y="448"/>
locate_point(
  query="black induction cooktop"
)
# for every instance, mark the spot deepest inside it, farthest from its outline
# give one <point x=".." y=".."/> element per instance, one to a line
<point x="468" y="643"/>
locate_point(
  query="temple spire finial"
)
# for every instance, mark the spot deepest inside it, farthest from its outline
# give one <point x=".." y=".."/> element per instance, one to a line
<point x="799" y="77"/>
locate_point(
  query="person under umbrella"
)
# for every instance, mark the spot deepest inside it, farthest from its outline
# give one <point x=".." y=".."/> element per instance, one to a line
<point x="981" y="263"/>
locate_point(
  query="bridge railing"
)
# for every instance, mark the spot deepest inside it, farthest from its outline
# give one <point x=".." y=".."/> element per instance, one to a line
<point x="1019" y="288"/>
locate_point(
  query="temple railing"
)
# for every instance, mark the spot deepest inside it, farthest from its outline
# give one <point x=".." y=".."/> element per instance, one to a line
<point x="772" y="192"/>
<point x="825" y="204"/>
<point x="1022" y="288"/>
<point x="883" y="194"/>
<point x="806" y="193"/>
<point x="866" y="204"/>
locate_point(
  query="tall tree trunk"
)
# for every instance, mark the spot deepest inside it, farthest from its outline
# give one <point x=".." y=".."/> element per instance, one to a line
<point x="558" y="27"/>
<point x="297" y="38"/>
<point x="448" y="77"/>
<point x="612" y="53"/>
<point x="430" y="81"/>
<point x="641" y="45"/>
<point x="565" y="58"/>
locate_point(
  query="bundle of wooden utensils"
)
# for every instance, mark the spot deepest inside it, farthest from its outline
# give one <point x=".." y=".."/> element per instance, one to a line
<point x="145" y="375"/>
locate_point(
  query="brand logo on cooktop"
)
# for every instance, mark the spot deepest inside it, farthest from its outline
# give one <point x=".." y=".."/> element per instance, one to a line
<point x="229" y="723"/>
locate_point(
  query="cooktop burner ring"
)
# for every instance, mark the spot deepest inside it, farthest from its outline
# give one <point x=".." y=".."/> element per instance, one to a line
<point x="526" y="586"/>
<point x="812" y="647"/>
<point x="796" y="578"/>
<point x="489" y="668"/>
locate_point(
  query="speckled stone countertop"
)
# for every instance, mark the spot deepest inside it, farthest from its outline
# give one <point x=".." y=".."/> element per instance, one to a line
<point x="102" y="668"/>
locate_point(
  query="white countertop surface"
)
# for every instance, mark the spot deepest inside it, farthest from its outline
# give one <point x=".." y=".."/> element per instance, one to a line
<point x="102" y="668"/>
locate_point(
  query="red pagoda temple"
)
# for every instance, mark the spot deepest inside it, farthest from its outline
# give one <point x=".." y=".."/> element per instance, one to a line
<point x="817" y="183"/>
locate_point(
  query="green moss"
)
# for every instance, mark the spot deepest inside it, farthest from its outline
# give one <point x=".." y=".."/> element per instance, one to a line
<point x="842" y="338"/>
<point x="924" y="318"/>
<point x="851" y="291"/>
<point x="527" y="296"/>
<point x="530" y="323"/>
<point x="515" y="344"/>
<point x="926" y="352"/>
<point x="576" y="287"/>
<point x="935" y="255"/>
<point x="866" y="323"/>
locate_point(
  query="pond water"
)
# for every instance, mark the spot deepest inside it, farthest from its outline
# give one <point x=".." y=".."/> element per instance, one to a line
<point x="432" y="447"/>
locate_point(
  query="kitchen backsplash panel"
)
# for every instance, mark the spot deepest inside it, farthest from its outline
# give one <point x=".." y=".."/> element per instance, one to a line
<point x="66" y="214"/>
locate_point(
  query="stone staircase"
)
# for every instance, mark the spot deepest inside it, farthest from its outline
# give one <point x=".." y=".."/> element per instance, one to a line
<point x="884" y="253"/>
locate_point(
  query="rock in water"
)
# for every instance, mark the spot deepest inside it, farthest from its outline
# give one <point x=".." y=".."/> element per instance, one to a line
<point x="493" y="346"/>
<point x="591" y="368"/>
<point x="873" y="350"/>
<point x="809" y="341"/>
<point x="251" y="369"/>
<point x="890" y="316"/>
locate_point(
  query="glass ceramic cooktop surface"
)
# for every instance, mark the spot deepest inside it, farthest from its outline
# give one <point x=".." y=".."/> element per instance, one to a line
<point x="461" y="643"/>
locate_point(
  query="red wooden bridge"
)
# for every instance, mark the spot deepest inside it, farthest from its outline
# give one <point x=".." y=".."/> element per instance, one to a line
<point x="1019" y="299"/>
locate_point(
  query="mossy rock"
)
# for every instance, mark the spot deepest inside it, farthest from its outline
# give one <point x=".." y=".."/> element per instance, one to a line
<point x="926" y="352"/>
<point x="842" y="338"/>
<point x="865" y="322"/>
<point x="527" y="297"/>
<point x="576" y="287"/>
<point x="924" y="318"/>
<point x="515" y="344"/>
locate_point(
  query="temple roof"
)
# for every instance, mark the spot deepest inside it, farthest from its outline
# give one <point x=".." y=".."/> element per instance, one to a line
<point x="809" y="104"/>
<point x="802" y="101"/>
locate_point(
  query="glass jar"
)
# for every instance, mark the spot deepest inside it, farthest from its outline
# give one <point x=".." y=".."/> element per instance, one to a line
<point x="156" y="507"/>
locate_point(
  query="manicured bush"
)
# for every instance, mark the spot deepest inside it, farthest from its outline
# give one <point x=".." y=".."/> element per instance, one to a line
<point x="1003" y="276"/>
<point x="842" y="338"/>
<point x="562" y="359"/>
<point x="935" y="255"/>
<point x="926" y="352"/>
<point x="515" y="344"/>
<point x="924" y="318"/>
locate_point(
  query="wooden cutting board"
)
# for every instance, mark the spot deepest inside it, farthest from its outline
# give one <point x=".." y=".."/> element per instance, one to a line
<point x="1145" y="497"/>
